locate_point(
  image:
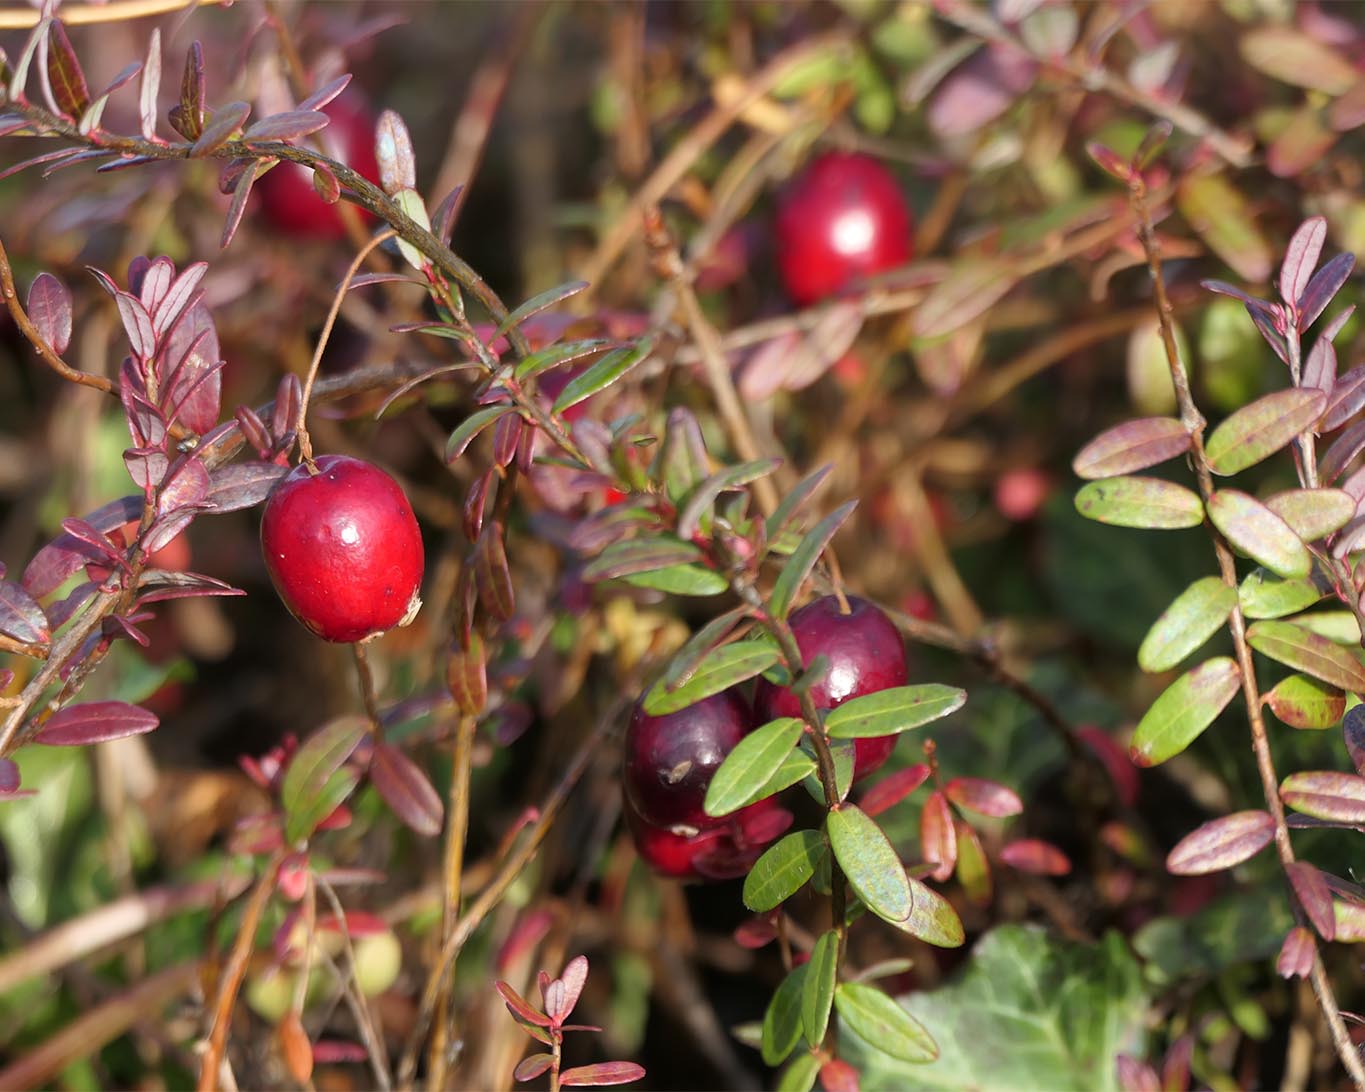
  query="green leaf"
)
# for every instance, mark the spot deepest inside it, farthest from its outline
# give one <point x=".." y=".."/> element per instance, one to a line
<point x="1313" y="513"/>
<point x="1258" y="430"/>
<point x="682" y="460"/>
<point x="933" y="919"/>
<point x="699" y="645"/>
<point x="783" y="870"/>
<point x="1196" y="615"/>
<point x="1339" y="626"/>
<point x="890" y="711"/>
<point x="1184" y="710"/>
<point x="471" y="426"/>
<point x="1297" y="648"/>
<point x="1223" y="217"/>
<point x="844" y="754"/>
<point x="412" y="205"/>
<point x="795" y="500"/>
<point x="796" y="766"/>
<point x="1259" y="533"/>
<point x="1028" y="1012"/>
<point x="1302" y="702"/>
<point x="1236" y="929"/>
<point x="1140" y="502"/>
<point x="681" y="580"/>
<point x="542" y="360"/>
<point x="782" y="1019"/>
<point x="639" y="555"/>
<point x="602" y="374"/>
<point x="1265" y="595"/>
<point x="874" y="871"/>
<point x="743" y="776"/>
<point x="884" y="1025"/>
<point x="537" y="303"/>
<point x="817" y="996"/>
<point x="800" y="1075"/>
<point x="803" y="559"/>
<point x="693" y="514"/>
<point x="723" y="668"/>
<point x="313" y="783"/>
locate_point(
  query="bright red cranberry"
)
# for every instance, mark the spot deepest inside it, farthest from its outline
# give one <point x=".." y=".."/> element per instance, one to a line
<point x="343" y="548"/>
<point x="865" y="653"/>
<point x="723" y="852"/>
<point x="843" y="218"/>
<point x="288" y="198"/>
<point x="670" y="759"/>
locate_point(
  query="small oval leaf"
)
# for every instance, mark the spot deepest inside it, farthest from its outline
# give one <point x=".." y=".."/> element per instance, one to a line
<point x="95" y="722"/>
<point x="1140" y="502"/>
<point x="1263" y="427"/>
<point x="1296" y="647"/>
<point x="722" y="669"/>
<point x="1313" y="513"/>
<point x="1222" y="843"/>
<point x="406" y="790"/>
<point x="1265" y="595"/>
<point x="1133" y="445"/>
<point x="898" y="709"/>
<point x="870" y="863"/>
<point x="817" y="993"/>
<point x="743" y="776"/>
<point x="1302" y="702"/>
<point x="1184" y="710"/>
<point x="1326" y="794"/>
<point x="878" y="1020"/>
<point x="783" y="870"/>
<point x="1259" y="533"/>
<point x="1194" y="616"/>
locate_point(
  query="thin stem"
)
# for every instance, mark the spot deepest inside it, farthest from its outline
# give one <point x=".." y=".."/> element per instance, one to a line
<point x="1260" y="740"/>
<point x="367" y="690"/>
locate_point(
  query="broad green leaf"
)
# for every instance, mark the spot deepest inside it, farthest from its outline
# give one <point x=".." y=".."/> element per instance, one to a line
<point x="797" y="766"/>
<point x="843" y="752"/>
<point x="803" y="559"/>
<point x="694" y="514"/>
<point x="471" y="426"/>
<point x="542" y="360"/>
<point x="1028" y="1012"/>
<point x="688" y="579"/>
<point x="782" y="1019"/>
<point x="309" y="790"/>
<point x="793" y="502"/>
<point x="800" y="1075"/>
<point x="723" y="668"/>
<point x="1258" y="430"/>
<point x="639" y="555"/>
<point x="973" y="868"/>
<point x="538" y="303"/>
<point x="1140" y="502"/>
<point x="1235" y="929"/>
<point x="1313" y="513"/>
<point x="1196" y="615"/>
<point x="743" y="776"/>
<point x="890" y="711"/>
<point x="1293" y="57"/>
<point x="699" y="645"/>
<point x="1297" y="648"/>
<point x="874" y="871"/>
<point x="1339" y="626"/>
<point x="883" y="1024"/>
<point x="1259" y="533"/>
<point x="1133" y="445"/>
<point x="1223" y="217"/>
<point x="1184" y="710"/>
<point x="1265" y="595"/>
<point x="682" y="460"/>
<point x="782" y="871"/>
<point x="1302" y="702"/>
<point x="818" y="993"/>
<point x="932" y="919"/>
<point x="602" y="374"/>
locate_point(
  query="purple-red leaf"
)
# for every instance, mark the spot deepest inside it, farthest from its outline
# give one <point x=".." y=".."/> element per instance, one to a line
<point x="195" y="381"/>
<point x="1348" y="395"/>
<point x="49" y="309"/>
<point x="1301" y="258"/>
<point x="242" y="485"/>
<point x="983" y="797"/>
<point x="1353" y="729"/>
<point x="1133" y="445"/>
<point x="1325" y="284"/>
<point x="603" y="1073"/>
<point x="227" y="119"/>
<point x="21" y="617"/>
<point x="188" y="484"/>
<point x="1326" y="794"/>
<point x="1310" y="887"/>
<point x="1222" y="843"/>
<point x="179" y="294"/>
<point x="326" y="93"/>
<point x="289" y="125"/>
<point x="492" y="574"/>
<point x="891" y="790"/>
<point x="1135" y="1075"/>
<point x="1035" y="856"/>
<point x="573" y="978"/>
<point x="241" y="191"/>
<point x="9" y="776"/>
<point x="937" y="836"/>
<point x="95" y="722"/>
<point x="64" y="73"/>
<point x="1296" y="953"/>
<point x="406" y="790"/>
<point x="518" y="1006"/>
<point x="532" y="1066"/>
<point x="67" y="553"/>
<point x="1263" y="427"/>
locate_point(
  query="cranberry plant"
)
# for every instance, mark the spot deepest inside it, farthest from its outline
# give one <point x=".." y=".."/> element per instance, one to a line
<point x="642" y="581"/>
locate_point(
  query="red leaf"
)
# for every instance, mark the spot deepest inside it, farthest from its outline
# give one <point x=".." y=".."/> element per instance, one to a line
<point x="572" y="980"/>
<point x="1175" y="1070"/>
<point x="1222" y="843"/>
<point x="529" y="931"/>
<point x="1353" y="729"/>
<point x="1120" y="768"/>
<point x="242" y="485"/>
<point x="602" y="1073"/>
<point x="983" y="797"/>
<point x="1036" y="856"/>
<point x="327" y="1051"/>
<point x="406" y="790"/>
<point x="532" y="1066"/>
<point x="65" y="75"/>
<point x="518" y="1006"/>
<point x="1135" y="1075"/>
<point x="754" y="933"/>
<point x="49" y="309"/>
<point x="1301" y="258"/>
<point x="837" y="1075"/>
<point x="891" y="790"/>
<point x="938" y="839"/>
<point x="95" y="722"/>
<point x="9" y="776"/>
<point x="1310" y="886"/>
<point x="1296" y="953"/>
<point x="20" y="617"/>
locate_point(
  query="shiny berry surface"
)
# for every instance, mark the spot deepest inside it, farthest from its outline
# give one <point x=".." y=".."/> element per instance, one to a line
<point x="866" y="654"/>
<point x="287" y="197"/>
<point x="670" y="759"/>
<point x="343" y="548"/>
<point x="842" y="218"/>
<point x="723" y="852"/>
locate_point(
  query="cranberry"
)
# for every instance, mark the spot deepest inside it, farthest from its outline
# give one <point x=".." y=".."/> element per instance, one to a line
<point x="343" y="548"/>
<point x="288" y="198"/>
<point x="723" y="852"/>
<point x="865" y="653"/>
<point x="670" y="759"/>
<point x="841" y="219"/>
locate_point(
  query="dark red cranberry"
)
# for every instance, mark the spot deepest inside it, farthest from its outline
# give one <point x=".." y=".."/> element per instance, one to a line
<point x="865" y="653"/>
<point x="843" y="218"/>
<point x="670" y="759"/>
<point x="723" y="852"/>
<point x="287" y="196"/>
<point x="343" y="548"/>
